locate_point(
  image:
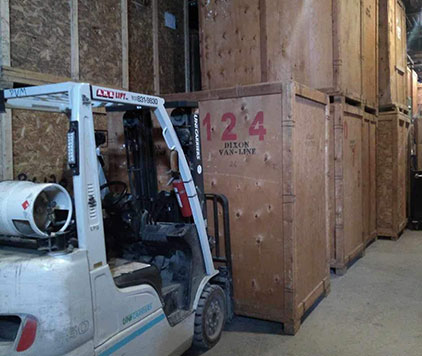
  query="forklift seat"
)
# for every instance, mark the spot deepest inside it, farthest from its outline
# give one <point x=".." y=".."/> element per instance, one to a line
<point x="127" y="274"/>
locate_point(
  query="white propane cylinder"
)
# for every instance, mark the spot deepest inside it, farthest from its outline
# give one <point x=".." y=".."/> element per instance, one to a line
<point x="33" y="209"/>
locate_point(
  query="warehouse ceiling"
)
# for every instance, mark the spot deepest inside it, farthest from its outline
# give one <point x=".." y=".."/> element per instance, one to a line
<point x="414" y="32"/>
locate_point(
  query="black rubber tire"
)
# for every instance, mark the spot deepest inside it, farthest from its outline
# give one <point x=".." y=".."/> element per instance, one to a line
<point x="212" y="301"/>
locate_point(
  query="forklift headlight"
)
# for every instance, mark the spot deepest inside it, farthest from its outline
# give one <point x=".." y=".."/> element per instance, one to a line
<point x="71" y="153"/>
<point x="72" y="147"/>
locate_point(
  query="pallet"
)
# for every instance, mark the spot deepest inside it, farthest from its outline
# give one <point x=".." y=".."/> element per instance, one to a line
<point x="389" y="234"/>
<point x="397" y="108"/>
<point x="371" y="109"/>
<point x="349" y="98"/>
<point x="341" y="269"/>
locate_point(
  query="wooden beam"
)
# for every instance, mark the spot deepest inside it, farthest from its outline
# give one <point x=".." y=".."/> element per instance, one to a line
<point x="6" y="146"/>
<point x="156" y="61"/>
<point x="4" y="33"/>
<point x="187" y="44"/>
<point x="74" y="40"/>
<point x="125" y="45"/>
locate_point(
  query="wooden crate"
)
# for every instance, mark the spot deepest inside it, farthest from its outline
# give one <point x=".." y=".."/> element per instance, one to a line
<point x="348" y="241"/>
<point x="392" y="54"/>
<point x="264" y="147"/>
<point x="392" y="173"/>
<point x="322" y="44"/>
<point x="369" y="179"/>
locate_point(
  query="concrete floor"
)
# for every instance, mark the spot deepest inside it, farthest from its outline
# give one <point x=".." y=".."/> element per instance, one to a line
<point x="373" y="310"/>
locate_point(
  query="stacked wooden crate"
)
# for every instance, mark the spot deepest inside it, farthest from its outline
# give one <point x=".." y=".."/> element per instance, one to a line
<point x="115" y="43"/>
<point x="326" y="44"/>
<point x="394" y="121"/>
<point x="264" y="147"/>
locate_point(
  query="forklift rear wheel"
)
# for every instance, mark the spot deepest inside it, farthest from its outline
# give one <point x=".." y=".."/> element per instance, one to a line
<point x="209" y="318"/>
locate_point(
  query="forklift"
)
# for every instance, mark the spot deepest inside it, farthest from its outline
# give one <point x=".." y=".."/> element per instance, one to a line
<point x="112" y="267"/>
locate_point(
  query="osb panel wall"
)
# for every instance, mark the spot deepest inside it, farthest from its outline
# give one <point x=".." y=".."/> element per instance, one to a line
<point x="39" y="149"/>
<point x="39" y="145"/>
<point x="171" y="48"/>
<point x="141" y="78"/>
<point x="230" y="43"/>
<point x="100" y="42"/>
<point x="40" y="35"/>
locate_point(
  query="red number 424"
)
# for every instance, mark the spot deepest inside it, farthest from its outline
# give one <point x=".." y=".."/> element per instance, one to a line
<point x="256" y="129"/>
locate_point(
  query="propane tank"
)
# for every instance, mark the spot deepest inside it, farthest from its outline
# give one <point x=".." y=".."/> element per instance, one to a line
<point x="33" y="209"/>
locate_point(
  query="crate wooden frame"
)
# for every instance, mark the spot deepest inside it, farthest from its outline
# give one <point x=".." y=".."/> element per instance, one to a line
<point x="369" y="186"/>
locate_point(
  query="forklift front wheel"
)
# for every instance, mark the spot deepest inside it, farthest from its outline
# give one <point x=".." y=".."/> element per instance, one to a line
<point x="210" y="317"/>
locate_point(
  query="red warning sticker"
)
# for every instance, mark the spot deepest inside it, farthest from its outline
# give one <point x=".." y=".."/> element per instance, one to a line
<point x="25" y="204"/>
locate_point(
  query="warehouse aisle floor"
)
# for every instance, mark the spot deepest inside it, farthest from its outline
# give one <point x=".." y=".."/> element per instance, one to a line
<point x="374" y="310"/>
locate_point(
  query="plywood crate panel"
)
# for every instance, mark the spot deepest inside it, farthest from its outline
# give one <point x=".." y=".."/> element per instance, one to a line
<point x="264" y="148"/>
<point x="369" y="38"/>
<point x="392" y="53"/>
<point x="348" y="239"/>
<point x="392" y="173"/>
<point x="369" y="193"/>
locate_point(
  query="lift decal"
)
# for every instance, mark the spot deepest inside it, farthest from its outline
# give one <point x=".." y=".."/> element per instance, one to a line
<point x="137" y="313"/>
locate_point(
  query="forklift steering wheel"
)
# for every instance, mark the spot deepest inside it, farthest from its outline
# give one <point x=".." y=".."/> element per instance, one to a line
<point x="112" y="199"/>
